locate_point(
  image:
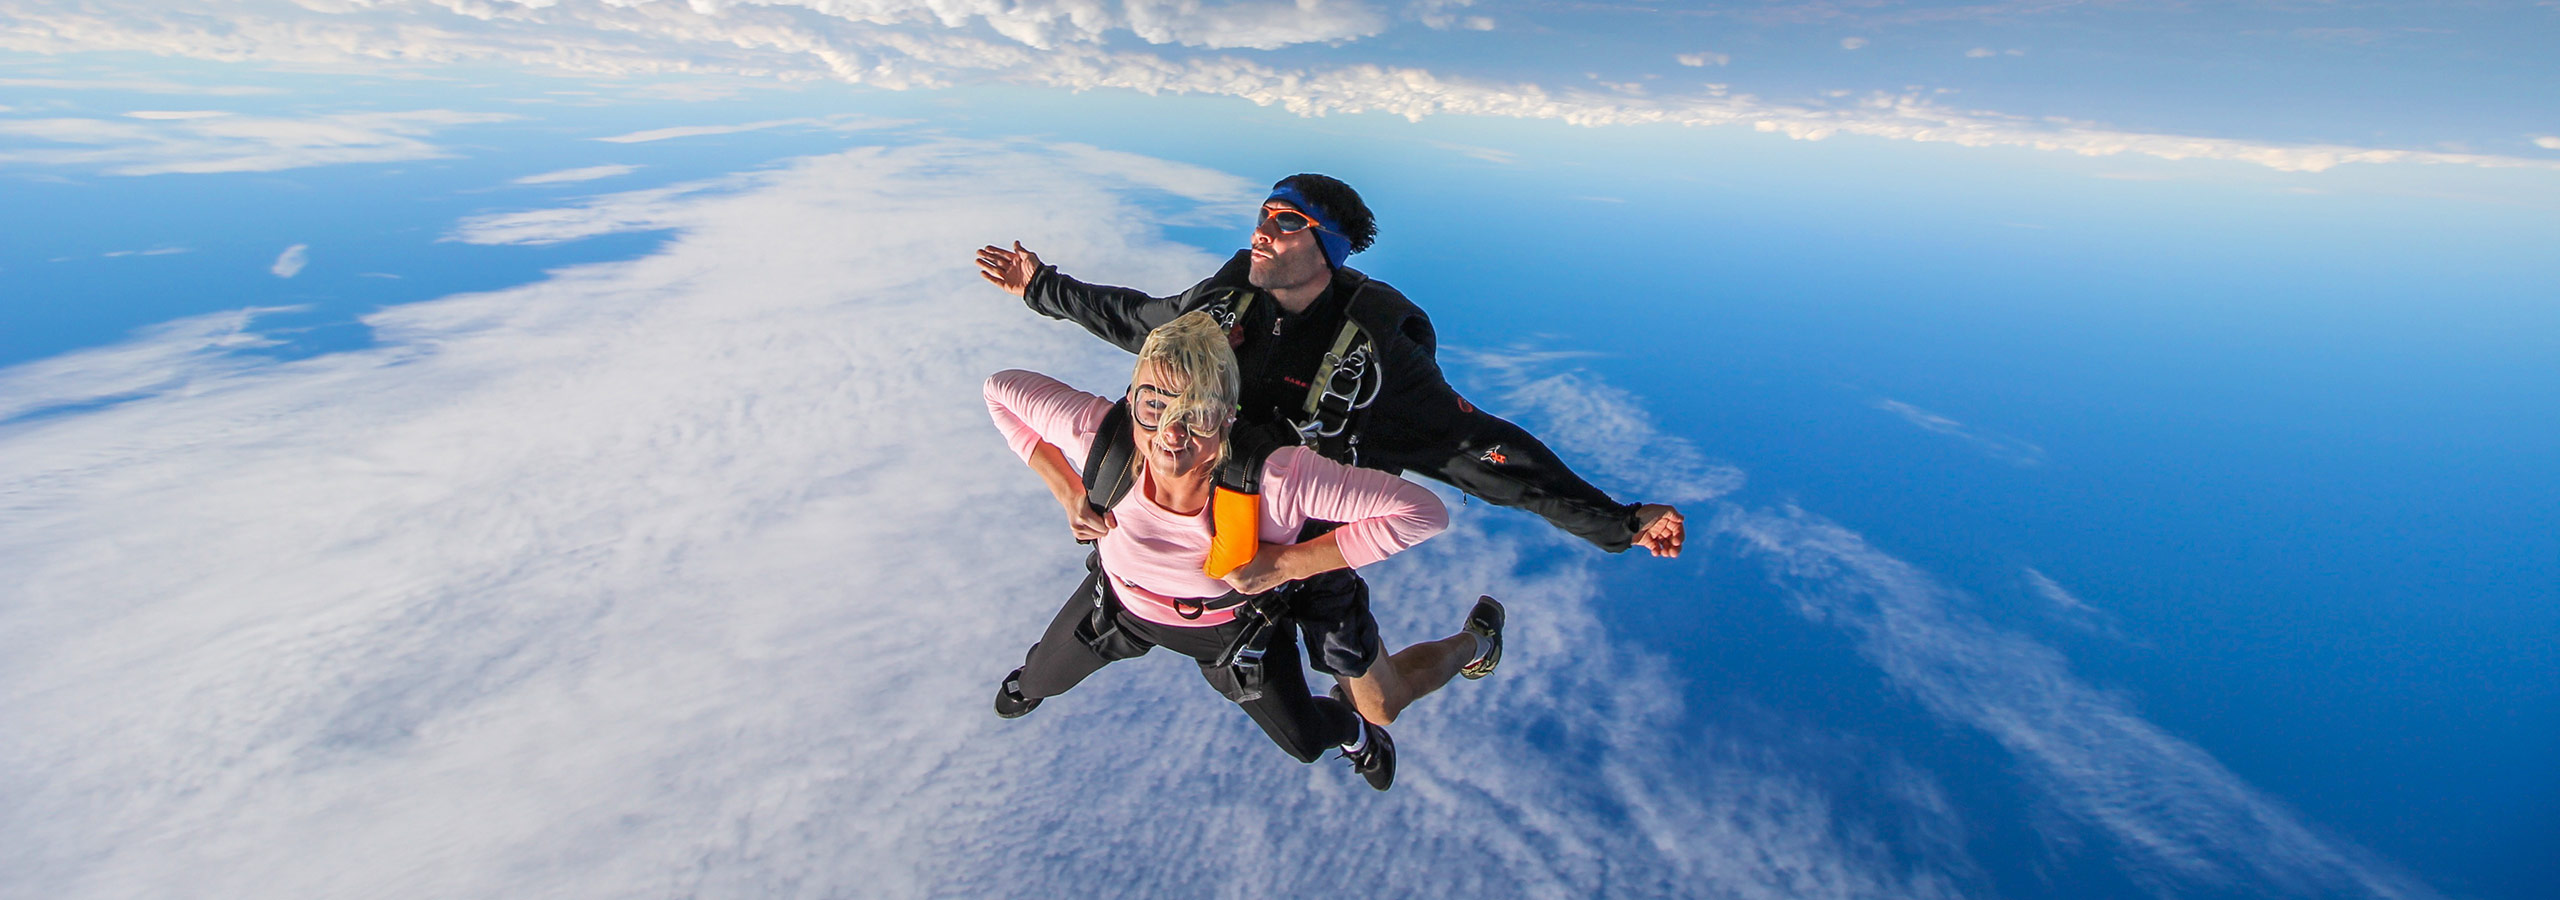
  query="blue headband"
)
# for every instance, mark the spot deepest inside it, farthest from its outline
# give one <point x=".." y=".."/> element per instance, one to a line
<point x="1329" y="236"/>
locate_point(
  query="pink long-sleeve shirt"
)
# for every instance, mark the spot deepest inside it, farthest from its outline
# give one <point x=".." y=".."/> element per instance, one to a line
<point x="1153" y="555"/>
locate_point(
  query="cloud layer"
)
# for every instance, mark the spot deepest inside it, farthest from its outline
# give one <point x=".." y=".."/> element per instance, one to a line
<point x="1189" y="47"/>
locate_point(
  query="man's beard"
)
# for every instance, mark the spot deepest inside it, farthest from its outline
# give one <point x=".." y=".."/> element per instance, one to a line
<point x="1270" y="276"/>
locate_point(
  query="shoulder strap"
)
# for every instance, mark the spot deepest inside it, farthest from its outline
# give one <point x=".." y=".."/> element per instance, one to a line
<point x="1107" y="464"/>
<point x="1346" y="381"/>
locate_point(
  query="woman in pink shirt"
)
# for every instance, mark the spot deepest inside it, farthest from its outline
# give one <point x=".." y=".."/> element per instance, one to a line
<point x="1150" y="587"/>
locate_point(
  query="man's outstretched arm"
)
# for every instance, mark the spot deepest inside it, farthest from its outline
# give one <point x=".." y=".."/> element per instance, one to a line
<point x="1421" y="425"/>
<point x="1119" y="315"/>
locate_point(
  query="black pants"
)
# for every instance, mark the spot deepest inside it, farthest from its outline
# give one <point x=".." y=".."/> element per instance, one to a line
<point x="1302" y="724"/>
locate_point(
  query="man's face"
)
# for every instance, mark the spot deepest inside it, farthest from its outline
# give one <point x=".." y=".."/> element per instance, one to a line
<point x="1285" y="261"/>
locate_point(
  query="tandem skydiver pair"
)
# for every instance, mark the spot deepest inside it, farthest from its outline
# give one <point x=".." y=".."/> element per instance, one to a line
<point x="1293" y="388"/>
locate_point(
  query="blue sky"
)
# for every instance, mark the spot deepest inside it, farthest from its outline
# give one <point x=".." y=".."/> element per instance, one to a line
<point x="2116" y="439"/>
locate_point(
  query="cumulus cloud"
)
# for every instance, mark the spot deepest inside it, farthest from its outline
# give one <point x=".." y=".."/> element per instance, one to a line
<point x="644" y="579"/>
<point x="587" y="173"/>
<point x="2547" y="142"/>
<point x="1852" y="43"/>
<point x="197" y="143"/>
<point x="1997" y="446"/>
<point x="290" y="262"/>
<point x="899" y="45"/>
<point x="1695" y="60"/>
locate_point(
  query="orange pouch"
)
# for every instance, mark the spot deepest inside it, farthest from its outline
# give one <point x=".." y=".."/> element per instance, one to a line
<point x="1235" y="531"/>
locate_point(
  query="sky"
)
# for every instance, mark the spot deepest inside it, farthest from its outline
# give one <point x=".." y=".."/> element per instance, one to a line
<point x="482" y="448"/>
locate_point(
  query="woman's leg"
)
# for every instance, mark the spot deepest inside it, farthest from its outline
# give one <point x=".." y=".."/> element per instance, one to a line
<point x="1302" y="724"/>
<point x="1066" y="651"/>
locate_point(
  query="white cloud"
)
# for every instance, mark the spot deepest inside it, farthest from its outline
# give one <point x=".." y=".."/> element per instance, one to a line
<point x="175" y="115"/>
<point x="627" y="583"/>
<point x="1997" y="446"/>
<point x="155" y="145"/>
<point x="2547" y="142"/>
<point x="290" y="262"/>
<point x="588" y="173"/>
<point x="136" y="85"/>
<point x="1695" y="60"/>
<point x="837" y="123"/>
<point x="1981" y="53"/>
<point x="1852" y="43"/>
<point x="168" y="358"/>
<point x="896" y="44"/>
<point x="1442" y="15"/>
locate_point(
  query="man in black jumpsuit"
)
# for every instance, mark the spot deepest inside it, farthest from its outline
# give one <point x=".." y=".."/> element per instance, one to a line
<point x="1408" y="418"/>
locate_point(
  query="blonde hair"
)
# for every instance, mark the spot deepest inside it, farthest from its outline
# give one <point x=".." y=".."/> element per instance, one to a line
<point x="1194" y="348"/>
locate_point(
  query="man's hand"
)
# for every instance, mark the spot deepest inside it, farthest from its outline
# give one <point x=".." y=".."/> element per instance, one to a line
<point x="1659" y="529"/>
<point x="1008" y="269"/>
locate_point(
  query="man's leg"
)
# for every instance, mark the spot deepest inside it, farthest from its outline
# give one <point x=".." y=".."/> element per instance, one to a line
<point x="1383" y="692"/>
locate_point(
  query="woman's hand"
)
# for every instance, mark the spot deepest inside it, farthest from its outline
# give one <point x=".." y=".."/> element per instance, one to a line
<point x="1087" y="524"/>
<point x="1265" y="571"/>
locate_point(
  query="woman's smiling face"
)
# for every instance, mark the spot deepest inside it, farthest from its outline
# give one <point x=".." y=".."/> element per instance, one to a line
<point x="1170" y="451"/>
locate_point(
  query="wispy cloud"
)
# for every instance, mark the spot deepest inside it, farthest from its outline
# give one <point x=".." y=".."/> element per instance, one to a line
<point x="290" y="262"/>
<point x="903" y="44"/>
<point x="138" y="86"/>
<point x="2178" y="817"/>
<point x="2173" y="810"/>
<point x="200" y="143"/>
<point x="2069" y="609"/>
<point x="1695" y="60"/>
<point x="1997" y="446"/>
<point x="1852" y="43"/>
<point x="588" y="173"/>
<point x="2547" y="142"/>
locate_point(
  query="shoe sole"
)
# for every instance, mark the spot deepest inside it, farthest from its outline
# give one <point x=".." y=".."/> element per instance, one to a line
<point x="1004" y="698"/>
<point x="1492" y="635"/>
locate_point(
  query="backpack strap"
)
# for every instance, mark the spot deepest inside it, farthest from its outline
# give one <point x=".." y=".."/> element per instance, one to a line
<point x="1108" y="465"/>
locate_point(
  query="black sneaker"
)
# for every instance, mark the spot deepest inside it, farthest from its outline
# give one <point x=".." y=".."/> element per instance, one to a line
<point x="1376" y="760"/>
<point x="1010" y="703"/>
<point x="1485" y="621"/>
